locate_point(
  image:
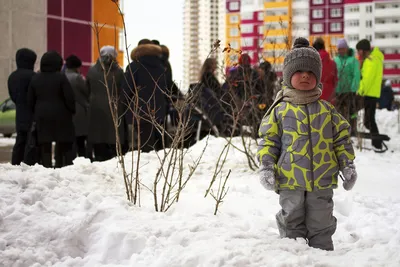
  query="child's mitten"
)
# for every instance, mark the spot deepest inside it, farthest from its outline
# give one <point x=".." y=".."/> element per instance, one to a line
<point x="267" y="177"/>
<point x="350" y="176"/>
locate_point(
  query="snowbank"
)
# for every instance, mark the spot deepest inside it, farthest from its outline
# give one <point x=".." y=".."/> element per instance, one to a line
<point x="78" y="216"/>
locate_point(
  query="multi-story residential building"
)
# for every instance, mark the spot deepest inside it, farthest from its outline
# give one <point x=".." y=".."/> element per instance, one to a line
<point x="327" y="22"/>
<point x="379" y="22"/>
<point x="203" y="21"/>
<point x="61" y="25"/>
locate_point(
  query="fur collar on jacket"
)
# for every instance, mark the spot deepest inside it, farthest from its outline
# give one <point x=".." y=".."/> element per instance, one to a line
<point x="146" y="50"/>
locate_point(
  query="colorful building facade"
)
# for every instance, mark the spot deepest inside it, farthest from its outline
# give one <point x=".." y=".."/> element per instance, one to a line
<point x="81" y="31"/>
<point x="265" y="29"/>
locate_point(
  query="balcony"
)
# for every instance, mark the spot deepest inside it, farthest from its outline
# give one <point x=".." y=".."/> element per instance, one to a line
<point x="280" y="46"/>
<point x="387" y="27"/>
<point x="391" y="72"/>
<point x="387" y="42"/>
<point x="300" y="18"/>
<point x="387" y="12"/>
<point x="268" y="19"/>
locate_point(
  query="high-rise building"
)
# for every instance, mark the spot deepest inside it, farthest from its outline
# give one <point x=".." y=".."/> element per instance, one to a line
<point x="379" y="22"/>
<point x="204" y="21"/>
<point x="61" y="25"/>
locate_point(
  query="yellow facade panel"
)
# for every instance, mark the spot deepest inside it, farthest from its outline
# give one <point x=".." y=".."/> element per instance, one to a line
<point x="268" y="5"/>
<point x="277" y="18"/>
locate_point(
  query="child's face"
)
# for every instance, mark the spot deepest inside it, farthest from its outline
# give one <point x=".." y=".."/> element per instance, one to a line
<point x="303" y="80"/>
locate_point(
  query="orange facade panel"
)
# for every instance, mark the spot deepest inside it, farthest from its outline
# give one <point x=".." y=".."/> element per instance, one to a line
<point x="107" y="36"/>
<point x="276" y="18"/>
<point x="106" y="12"/>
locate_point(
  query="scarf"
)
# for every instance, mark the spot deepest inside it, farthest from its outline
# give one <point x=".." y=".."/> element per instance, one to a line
<point x="297" y="97"/>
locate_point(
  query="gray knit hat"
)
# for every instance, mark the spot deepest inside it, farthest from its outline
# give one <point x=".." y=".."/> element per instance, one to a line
<point x="302" y="57"/>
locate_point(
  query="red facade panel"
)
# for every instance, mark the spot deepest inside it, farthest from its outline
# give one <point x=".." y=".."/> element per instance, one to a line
<point x="54" y="41"/>
<point x="78" y="9"/>
<point x="82" y="48"/>
<point x="391" y="71"/>
<point x="392" y="56"/>
<point x="54" y="7"/>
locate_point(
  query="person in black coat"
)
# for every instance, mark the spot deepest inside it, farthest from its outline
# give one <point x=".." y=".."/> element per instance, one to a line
<point x="145" y="78"/>
<point x="52" y="101"/>
<point x="18" y="84"/>
<point x="81" y="93"/>
<point x="102" y="133"/>
<point x="387" y="96"/>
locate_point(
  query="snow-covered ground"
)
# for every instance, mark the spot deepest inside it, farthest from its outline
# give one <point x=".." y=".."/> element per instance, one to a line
<point x="78" y="216"/>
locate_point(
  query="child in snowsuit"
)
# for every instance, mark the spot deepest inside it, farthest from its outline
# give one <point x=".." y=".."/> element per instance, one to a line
<point x="304" y="144"/>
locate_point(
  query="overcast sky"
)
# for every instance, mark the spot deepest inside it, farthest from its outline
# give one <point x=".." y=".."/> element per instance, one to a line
<point x="161" y="20"/>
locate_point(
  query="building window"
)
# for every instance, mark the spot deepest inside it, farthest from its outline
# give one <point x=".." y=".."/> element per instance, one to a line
<point x="245" y="42"/>
<point x="368" y="37"/>
<point x="260" y="16"/>
<point x="261" y="30"/>
<point x="234" y="6"/>
<point x="234" y="44"/>
<point x="317" y="14"/>
<point x="234" y="19"/>
<point x="246" y="28"/>
<point x="336" y="27"/>
<point x="368" y="23"/>
<point x="317" y="2"/>
<point x="317" y="27"/>
<point x="234" y="32"/>
<point x="368" y="9"/>
<point x="336" y="1"/>
<point x="336" y="13"/>
<point x="247" y="16"/>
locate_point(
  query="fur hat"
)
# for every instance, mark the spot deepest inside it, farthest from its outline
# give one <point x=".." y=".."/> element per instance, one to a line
<point x="73" y="62"/>
<point x="302" y="57"/>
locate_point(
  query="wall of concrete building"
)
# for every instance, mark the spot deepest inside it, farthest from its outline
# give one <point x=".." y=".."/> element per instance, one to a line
<point x="22" y="24"/>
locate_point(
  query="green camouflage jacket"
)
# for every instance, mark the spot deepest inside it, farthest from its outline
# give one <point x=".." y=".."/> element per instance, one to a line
<point x="306" y="144"/>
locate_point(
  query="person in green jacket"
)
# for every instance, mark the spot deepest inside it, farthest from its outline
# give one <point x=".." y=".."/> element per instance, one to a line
<point x="349" y="81"/>
<point x="370" y="84"/>
<point x="304" y="145"/>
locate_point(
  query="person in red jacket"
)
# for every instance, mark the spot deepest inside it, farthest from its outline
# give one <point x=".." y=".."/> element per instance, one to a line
<point x="329" y="76"/>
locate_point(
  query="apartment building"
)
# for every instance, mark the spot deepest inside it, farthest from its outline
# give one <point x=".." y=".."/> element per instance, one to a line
<point x="379" y="22"/>
<point x="61" y="25"/>
<point x="204" y="24"/>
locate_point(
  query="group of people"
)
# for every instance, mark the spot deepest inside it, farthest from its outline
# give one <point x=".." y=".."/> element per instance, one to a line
<point x="352" y="84"/>
<point x="83" y="116"/>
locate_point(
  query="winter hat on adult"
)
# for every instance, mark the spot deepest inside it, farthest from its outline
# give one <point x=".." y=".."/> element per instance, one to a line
<point x="108" y="50"/>
<point x="302" y="57"/>
<point x="342" y="44"/>
<point x="73" y="62"/>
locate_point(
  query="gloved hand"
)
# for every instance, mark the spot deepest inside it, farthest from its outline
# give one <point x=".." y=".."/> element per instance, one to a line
<point x="267" y="177"/>
<point x="350" y="176"/>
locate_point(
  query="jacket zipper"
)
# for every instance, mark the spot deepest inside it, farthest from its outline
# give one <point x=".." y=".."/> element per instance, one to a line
<point x="311" y="149"/>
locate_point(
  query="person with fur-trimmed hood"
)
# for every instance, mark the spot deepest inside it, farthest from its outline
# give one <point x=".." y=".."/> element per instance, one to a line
<point x="304" y="145"/>
<point x="145" y="78"/>
<point x="18" y="84"/>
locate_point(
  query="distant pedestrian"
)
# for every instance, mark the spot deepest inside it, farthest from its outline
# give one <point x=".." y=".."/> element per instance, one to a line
<point x="81" y="93"/>
<point x="18" y="84"/>
<point x="102" y="134"/>
<point x="387" y="96"/>
<point x="329" y="76"/>
<point x="348" y="82"/>
<point x="370" y="84"/>
<point x="52" y="101"/>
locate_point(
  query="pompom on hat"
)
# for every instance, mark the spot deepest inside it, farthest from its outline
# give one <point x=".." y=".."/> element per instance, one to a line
<point x="302" y="57"/>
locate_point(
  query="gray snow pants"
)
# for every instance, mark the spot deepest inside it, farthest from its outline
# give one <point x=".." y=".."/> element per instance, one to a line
<point x="307" y="215"/>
